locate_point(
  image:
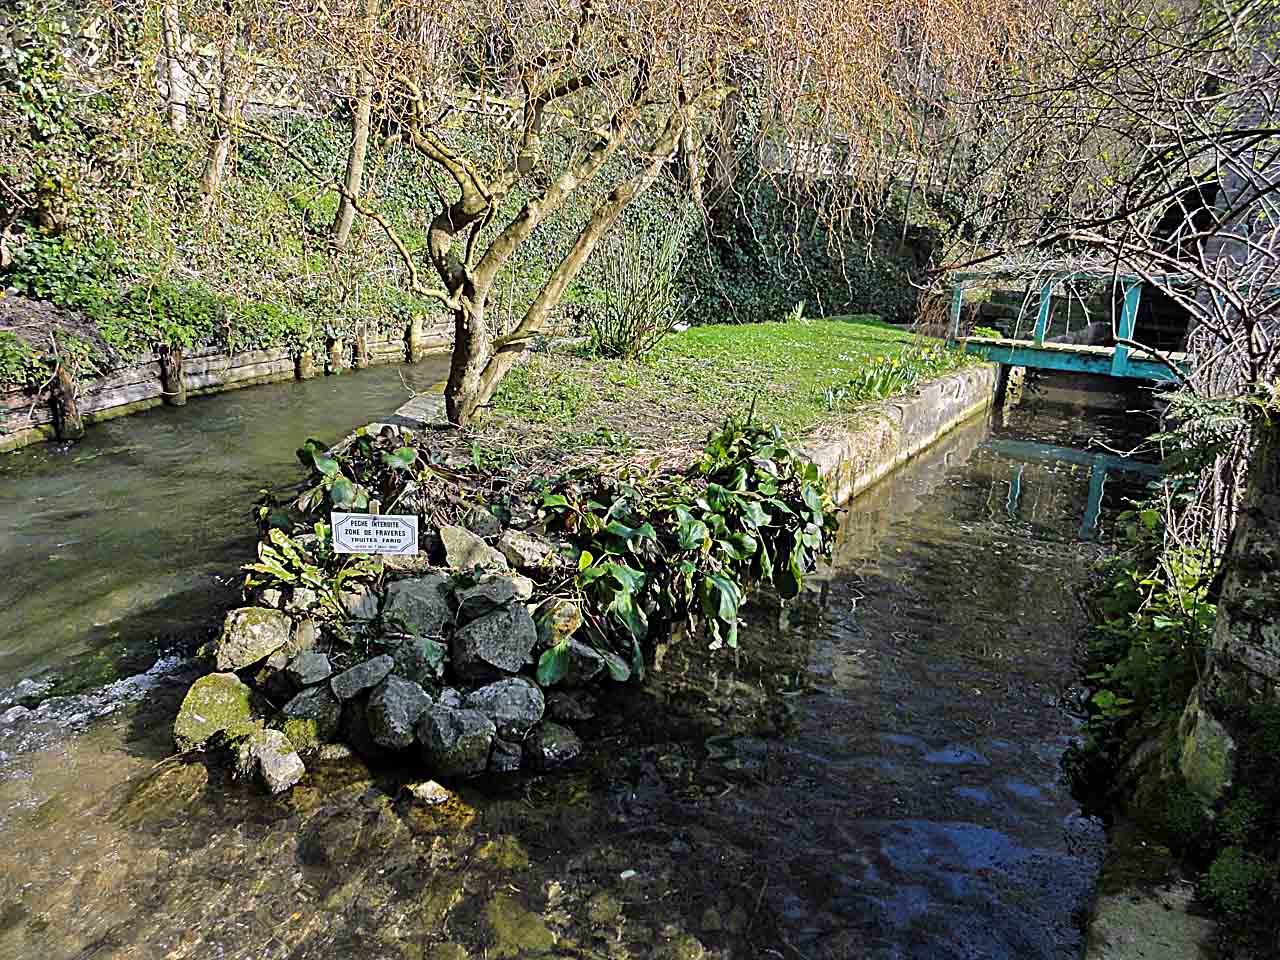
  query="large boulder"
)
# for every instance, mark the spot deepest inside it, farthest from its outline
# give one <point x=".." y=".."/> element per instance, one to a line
<point x="515" y="706"/>
<point x="455" y="743"/>
<point x="499" y="642"/>
<point x="215" y="703"/>
<point x="550" y="746"/>
<point x="270" y="756"/>
<point x="395" y="706"/>
<point x="249" y="634"/>
<point x="463" y="550"/>
<point x="420" y="605"/>
<point x="524" y="551"/>
<point x="309" y="668"/>
<point x="483" y="596"/>
<point x="318" y="705"/>
<point x="361" y="677"/>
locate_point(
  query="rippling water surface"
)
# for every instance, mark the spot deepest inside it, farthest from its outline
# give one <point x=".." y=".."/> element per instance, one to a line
<point x="876" y="775"/>
<point x="117" y="547"/>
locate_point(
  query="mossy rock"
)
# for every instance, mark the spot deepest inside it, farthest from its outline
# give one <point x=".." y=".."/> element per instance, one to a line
<point x="506" y="853"/>
<point x="515" y="931"/>
<point x="216" y="703"/>
<point x="303" y="734"/>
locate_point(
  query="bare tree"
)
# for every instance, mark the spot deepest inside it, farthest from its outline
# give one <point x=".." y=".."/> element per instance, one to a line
<point x="620" y="86"/>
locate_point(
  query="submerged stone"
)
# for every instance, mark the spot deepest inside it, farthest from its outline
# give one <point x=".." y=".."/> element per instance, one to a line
<point x="419" y="605"/>
<point x="361" y="677"/>
<point x="455" y="743"/>
<point x="428" y="792"/>
<point x="395" y="706"/>
<point x="515" y="706"/>
<point x="317" y="704"/>
<point x="551" y="746"/>
<point x="214" y="703"/>
<point x="514" y="931"/>
<point x="249" y="634"/>
<point x="269" y="755"/>
<point x="498" y="642"/>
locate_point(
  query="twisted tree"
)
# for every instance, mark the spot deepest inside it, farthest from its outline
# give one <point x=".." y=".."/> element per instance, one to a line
<point x="622" y="86"/>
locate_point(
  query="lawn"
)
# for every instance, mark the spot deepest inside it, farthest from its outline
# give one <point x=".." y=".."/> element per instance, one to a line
<point x="800" y="375"/>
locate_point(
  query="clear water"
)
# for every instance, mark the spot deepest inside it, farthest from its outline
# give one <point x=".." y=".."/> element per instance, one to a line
<point x="874" y="776"/>
<point x="125" y="544"/>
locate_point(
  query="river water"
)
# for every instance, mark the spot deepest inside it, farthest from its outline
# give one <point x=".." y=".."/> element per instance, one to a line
<point x="875" y="775"/>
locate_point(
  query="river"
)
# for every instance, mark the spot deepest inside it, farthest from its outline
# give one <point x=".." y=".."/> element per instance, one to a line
<point x="874" y="775"/>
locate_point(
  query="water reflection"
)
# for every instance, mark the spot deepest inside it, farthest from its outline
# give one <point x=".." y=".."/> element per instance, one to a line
<point x="874" y="776"/>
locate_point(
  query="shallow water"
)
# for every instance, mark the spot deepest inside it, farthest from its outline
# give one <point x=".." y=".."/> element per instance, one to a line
<point x="125" y="544"/>
<point x="877" y="775"/>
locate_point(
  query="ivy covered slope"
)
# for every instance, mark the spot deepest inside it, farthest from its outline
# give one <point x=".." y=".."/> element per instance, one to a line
<point x="481" y="654"/>
<point x="110" y="248"/>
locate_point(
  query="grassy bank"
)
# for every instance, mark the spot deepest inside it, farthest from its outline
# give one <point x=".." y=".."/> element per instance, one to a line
<point x="800" y="375"/>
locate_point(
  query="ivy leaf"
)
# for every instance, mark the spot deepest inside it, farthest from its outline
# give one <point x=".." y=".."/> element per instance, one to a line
<point x="585" y="559"/>
<point x="402" y="459"/>
<point x="617" y="667"/>
<point x="327" y="466"/>
<point x="553" y="664"/>
<point x="343" y="492"/>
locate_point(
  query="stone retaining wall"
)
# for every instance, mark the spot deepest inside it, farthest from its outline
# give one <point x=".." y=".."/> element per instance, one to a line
<point x="27" y="416"/>
<point x="888" y="434"/>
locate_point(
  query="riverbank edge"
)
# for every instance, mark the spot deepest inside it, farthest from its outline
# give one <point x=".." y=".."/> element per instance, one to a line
<point x="137" y="387"/>
<point x="853" y="457"/>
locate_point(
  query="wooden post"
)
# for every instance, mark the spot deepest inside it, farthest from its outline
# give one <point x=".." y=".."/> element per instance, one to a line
<point x="413" y="339"/>
<point x="360" y="352"/>
<point x="304" y="365"/>
<point x="67" y="422"/>
<point x="173" y="384"/>
<point x="333" y="356"/>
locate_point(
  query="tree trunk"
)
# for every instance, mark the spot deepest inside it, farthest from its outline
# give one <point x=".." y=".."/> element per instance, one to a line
<point x="220" y="144"/>
<point x="354" y="179"/>
<point x="333" y="356"/>
<point x="172" y="381"/>
<point x="465" y="392"/>
<point x="67" y="422"/>
<point x="177" y="89"/>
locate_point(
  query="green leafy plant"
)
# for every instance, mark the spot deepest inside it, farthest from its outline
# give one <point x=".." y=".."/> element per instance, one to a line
<point x="890" y="376"/>
<point x="372" y="468"/>
<point x="284" y="561"/>
<point x="663" y="551"/>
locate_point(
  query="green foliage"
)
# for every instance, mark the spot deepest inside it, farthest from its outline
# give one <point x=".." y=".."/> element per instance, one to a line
<point x="660" y="550"/>
<point x="638" y="303"/>
<point x="893" y="375"/>
<point x="309" y="562"/>
<point x="372" y="469"/>
<point x="19" y="362"/>
<point x="1234" y="881"/>
<point x="1156" y="624"/>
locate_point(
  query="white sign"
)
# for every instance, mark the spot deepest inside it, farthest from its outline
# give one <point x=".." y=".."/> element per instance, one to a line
<point x="369" y="533"/>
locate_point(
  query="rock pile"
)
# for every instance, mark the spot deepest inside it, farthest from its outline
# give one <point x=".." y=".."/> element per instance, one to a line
<point x="446" y="680"/>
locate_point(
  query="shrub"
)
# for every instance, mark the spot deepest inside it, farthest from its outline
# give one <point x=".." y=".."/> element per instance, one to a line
<point x="639" y="301"/>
